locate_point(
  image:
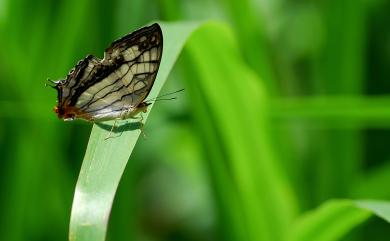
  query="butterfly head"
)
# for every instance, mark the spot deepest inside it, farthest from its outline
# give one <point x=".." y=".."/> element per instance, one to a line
<point x="61" y="109"/>
<point x="64" y="114"/>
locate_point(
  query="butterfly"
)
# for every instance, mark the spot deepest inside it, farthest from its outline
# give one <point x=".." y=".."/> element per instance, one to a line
<point x="116" y="86"/>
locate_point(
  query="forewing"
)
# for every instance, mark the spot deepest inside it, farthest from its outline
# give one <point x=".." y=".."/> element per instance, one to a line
<point x="131" y="64"/>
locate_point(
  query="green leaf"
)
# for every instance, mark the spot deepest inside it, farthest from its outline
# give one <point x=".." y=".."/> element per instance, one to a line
<point x="379" y="208"/>
<point x="230" y="107"/>
<point x="105" y="160"/>
<point x="335" y="218"/>
<point x="331" y="110"/>
<point x="373" y="184"/>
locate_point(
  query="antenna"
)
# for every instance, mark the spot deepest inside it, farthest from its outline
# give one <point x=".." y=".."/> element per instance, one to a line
<point x="158" y="98"/>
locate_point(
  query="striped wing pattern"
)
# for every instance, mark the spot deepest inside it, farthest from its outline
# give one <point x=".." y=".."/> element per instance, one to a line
<point x="116" y="86"/>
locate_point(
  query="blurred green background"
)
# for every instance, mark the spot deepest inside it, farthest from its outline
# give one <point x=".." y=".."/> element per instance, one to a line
<point x="324" y="71"/>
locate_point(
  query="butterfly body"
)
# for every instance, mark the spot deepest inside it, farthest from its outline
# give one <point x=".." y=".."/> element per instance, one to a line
<point x="116" y="86"/>
<point x="72" y="113"/>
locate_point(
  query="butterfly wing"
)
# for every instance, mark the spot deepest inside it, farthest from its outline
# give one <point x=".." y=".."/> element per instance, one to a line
<point x="103" y="89"/>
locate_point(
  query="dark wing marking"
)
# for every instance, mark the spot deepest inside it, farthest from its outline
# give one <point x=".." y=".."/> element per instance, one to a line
<point x="76" y="78"/>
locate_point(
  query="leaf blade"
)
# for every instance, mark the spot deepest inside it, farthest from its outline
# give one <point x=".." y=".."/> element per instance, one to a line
<point x="335" y="218"/>
<point x="105" y="160"/>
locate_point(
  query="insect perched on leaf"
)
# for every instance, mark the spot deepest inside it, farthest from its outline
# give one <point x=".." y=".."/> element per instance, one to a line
<point x="116" y="86"/>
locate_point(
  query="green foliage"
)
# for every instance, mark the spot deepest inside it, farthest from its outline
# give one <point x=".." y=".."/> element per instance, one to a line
<point x="262" y="217"/>
<point x="329" y="222"/>
<point x="283" y="124"/>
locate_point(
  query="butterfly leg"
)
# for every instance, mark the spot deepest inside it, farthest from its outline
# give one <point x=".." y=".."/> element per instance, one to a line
<point x="112" y="129"/>
<point x="142" y="126"/>
<point x="140" y="119"/>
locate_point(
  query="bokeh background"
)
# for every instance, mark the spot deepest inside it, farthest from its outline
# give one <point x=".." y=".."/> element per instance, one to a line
<point x="324" y="66"/>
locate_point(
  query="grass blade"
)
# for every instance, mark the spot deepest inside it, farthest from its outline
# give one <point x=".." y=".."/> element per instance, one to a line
<point x="379" y="208"/>
<point x="335" y="218"/>
<point x="255" y="201"/>
<point x="105" y="160"/>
